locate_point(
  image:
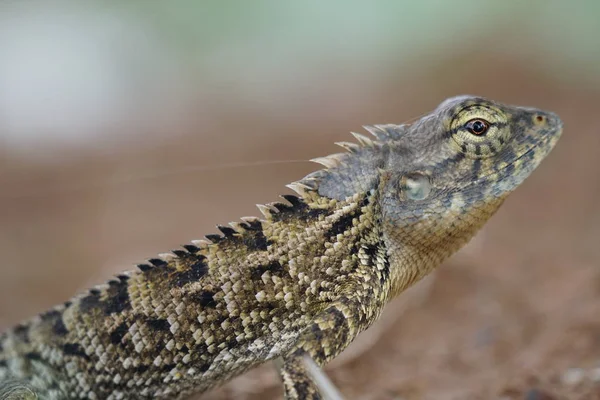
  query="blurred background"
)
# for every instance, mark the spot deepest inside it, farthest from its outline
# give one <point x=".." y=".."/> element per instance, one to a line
<point x="130" y="128"/>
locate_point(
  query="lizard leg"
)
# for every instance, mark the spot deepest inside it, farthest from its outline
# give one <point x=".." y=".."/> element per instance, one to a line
<point x="303" y="379"/>
<point x="330" y="333"/>
<point x="14" y="390"/>
<point x="297" y="381"/>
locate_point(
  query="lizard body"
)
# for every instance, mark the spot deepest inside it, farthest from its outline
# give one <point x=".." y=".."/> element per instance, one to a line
<point x="303" y="281"/>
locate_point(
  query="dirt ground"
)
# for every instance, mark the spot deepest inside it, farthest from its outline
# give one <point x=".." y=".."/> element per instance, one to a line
<point x="515" y="315"/>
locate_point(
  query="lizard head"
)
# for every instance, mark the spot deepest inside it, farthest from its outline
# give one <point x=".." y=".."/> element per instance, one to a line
<point x="439" y="179"/>
<point x="468" y="151"/>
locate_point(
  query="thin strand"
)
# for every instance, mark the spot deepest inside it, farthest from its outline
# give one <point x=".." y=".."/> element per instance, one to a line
<point x="121" y="180"/>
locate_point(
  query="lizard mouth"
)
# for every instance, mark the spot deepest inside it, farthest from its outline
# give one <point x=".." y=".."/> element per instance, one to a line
<point x="546" y="146"/>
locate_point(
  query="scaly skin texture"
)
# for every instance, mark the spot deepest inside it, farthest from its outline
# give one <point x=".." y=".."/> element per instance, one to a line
<point x="305" y="280"/>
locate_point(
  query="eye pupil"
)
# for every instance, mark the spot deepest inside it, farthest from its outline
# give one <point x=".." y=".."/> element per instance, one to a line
<point x="477" y="126"/>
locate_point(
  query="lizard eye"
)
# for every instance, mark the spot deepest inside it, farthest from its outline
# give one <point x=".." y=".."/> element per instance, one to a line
<point x="477" y="126"/>
<point x="480" y="130"/>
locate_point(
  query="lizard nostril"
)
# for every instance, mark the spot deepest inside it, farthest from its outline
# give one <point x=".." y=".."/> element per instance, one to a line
<point x="539" y="119"/>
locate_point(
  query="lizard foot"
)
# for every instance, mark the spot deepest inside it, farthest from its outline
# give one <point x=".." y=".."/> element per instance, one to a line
<point x="14" y="390"/>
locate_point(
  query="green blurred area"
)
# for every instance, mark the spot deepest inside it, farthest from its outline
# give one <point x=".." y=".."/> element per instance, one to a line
<point x="103" y="63"/>
<point x="557" y="37"/>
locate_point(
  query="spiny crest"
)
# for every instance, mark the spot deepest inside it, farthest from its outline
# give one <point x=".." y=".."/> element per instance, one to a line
<point x="382" y="133"/>
<point x="355" y="170"/>
<point x="361" y="156"/>
<point x="363" y="140"/>
<point x="386" y="132"/>
<point x="249" y="231"/>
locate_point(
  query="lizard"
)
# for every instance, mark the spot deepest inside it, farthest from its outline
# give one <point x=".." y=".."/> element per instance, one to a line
<point x="299" y="283"/>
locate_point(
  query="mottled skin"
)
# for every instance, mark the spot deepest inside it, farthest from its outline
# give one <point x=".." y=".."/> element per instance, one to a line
<point x="307" y="279"/>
